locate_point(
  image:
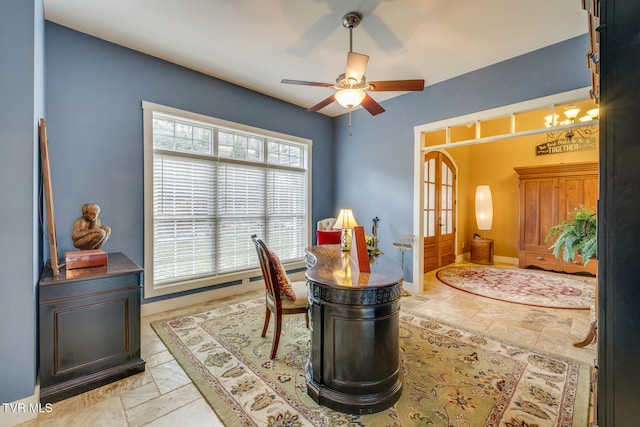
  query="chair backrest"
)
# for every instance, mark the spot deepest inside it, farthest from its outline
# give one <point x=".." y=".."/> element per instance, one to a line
<point x="326" y="224"/>
<point x="268" y="270"/>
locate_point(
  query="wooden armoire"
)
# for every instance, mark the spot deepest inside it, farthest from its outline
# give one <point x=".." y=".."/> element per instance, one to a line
<point x="548" y="195"/>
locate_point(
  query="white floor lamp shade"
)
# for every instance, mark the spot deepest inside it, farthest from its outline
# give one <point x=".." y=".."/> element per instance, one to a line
<point x="484" y="207"/>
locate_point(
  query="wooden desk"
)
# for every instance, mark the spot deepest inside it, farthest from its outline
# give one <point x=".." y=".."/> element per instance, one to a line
<point x="89" y="327"/>
<point x="354" y="364"/>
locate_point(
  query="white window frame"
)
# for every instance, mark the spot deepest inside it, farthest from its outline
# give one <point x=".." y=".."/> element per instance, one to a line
<point x="241" y="276"/>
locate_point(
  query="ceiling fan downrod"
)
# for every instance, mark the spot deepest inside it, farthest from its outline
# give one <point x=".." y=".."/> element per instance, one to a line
<point x="350" y="21"/>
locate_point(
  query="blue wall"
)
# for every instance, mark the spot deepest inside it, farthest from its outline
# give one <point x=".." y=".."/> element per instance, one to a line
<point x="380" y="151"/>
<point x="21" y="106"/>
<point x="94" y="116"/>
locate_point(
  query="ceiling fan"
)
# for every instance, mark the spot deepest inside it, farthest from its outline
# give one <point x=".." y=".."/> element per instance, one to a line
<point x="352" y="86"/>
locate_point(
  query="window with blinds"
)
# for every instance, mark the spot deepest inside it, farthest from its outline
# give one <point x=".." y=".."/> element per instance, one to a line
<point x="213" y="186"/>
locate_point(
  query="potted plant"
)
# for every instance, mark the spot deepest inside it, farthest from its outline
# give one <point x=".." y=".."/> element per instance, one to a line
<point x="575" y="235"/>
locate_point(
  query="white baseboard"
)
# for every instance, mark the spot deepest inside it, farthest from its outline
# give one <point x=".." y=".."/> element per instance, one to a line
<point x="500" y="259"/>
<point x="247" y="286"/>
<point x="506" y="260"/>
<point x="410" y="287"/>
<point x="23" y="410"/>
<point x="187" y="300"/>
<point x="463" y="257"/>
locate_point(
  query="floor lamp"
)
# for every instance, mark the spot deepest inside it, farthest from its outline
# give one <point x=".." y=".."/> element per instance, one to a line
<point x="484" y="208"/>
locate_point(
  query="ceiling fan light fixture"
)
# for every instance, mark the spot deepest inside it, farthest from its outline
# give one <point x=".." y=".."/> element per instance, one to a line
<point x="350" y="98"/>
<point x="352" y="87"/>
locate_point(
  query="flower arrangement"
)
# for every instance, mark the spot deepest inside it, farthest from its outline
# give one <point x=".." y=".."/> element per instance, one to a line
<point x="372" y="248"/>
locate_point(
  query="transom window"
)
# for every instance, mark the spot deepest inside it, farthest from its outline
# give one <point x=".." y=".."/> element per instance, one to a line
<point x="209" y="185"/>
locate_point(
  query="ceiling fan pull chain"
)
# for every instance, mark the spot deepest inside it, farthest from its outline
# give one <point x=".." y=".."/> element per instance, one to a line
<point x="349" y="122"/>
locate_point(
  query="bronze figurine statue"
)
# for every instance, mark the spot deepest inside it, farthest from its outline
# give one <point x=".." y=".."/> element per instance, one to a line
<point x="88" y="231"/>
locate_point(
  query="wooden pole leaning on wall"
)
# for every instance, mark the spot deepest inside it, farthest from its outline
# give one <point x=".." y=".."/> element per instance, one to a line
<point x="48" y="198"/>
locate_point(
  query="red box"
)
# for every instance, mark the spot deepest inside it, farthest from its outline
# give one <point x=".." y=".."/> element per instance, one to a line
<point x="83" y="259"/>
<point x="359" y="252"/>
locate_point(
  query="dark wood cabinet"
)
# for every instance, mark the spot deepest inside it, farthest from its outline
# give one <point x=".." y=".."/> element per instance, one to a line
<point x="548" y="195"/>
<point x="89" y="327"/>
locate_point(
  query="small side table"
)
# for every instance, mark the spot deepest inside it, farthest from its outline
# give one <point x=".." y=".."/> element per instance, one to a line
<point x="403" y="248"/>
<point x="481" y="251"/>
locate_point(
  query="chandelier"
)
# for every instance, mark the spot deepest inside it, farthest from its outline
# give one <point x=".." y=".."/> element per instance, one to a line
<point x="571" y="125"/>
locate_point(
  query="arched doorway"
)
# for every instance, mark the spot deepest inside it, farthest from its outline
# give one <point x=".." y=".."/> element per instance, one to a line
<point x="439" y="212"/>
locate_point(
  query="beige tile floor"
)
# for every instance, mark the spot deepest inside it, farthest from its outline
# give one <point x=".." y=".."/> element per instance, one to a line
<point x="163" y="395"/>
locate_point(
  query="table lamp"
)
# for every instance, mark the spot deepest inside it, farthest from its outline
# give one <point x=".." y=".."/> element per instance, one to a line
<point x="345" y="222"/>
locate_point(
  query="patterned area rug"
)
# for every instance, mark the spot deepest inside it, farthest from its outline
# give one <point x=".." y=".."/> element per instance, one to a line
<point x="453" y="377"/>
<point x="522" y="286"/>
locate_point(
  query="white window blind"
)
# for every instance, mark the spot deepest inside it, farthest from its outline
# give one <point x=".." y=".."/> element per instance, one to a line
<point x="212" y="188"/>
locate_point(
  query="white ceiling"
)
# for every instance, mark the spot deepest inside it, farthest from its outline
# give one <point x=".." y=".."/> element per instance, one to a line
<point x="257" y="43"/>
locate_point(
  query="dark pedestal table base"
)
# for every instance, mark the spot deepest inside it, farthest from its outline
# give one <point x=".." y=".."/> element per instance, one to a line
<point x="354" y="364"/>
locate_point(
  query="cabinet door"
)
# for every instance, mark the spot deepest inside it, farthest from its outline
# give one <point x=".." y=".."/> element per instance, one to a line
<point x="577" y="191"/>
<point x="86" y="335"/>
<point x="538" y="210"/>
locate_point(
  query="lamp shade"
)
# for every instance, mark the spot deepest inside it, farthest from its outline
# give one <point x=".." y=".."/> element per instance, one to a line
<point x="345" y="220"/>
<point x="484" y="207"/>
<point x="349" y="98"/>
<point x="571" y="112"/>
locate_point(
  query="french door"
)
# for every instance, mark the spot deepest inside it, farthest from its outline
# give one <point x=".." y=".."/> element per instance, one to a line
<point x="439" y="211"/>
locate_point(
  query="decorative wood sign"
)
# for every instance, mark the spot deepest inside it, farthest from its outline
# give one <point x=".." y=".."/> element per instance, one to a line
<point x="48" y="198"/>
<point x="566" y="146"/>
<point x="359" y="253"/>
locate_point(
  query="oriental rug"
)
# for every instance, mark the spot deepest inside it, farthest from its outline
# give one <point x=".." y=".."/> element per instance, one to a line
<point x="522" y="286"/>
<point x="452" y="377"/>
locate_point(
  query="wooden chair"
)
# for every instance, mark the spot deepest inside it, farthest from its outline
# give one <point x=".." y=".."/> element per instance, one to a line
<point x="276" y="304"/>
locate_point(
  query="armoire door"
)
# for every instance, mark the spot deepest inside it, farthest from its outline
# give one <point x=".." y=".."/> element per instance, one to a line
<point x="539" y="201"/>
<point x="574" y="193"/>
<point x="439" y="212"/>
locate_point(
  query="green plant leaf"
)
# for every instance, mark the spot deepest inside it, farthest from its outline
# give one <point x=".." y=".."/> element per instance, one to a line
<point x="575" y="235"/>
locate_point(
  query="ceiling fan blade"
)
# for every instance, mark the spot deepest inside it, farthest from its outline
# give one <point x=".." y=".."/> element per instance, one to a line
<point x="356" y="64"/>
<point x="370" y="104"/>
<point x="304" y="83"/>
<point x="398" y="85"/>
<point x="320" y="105"/>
